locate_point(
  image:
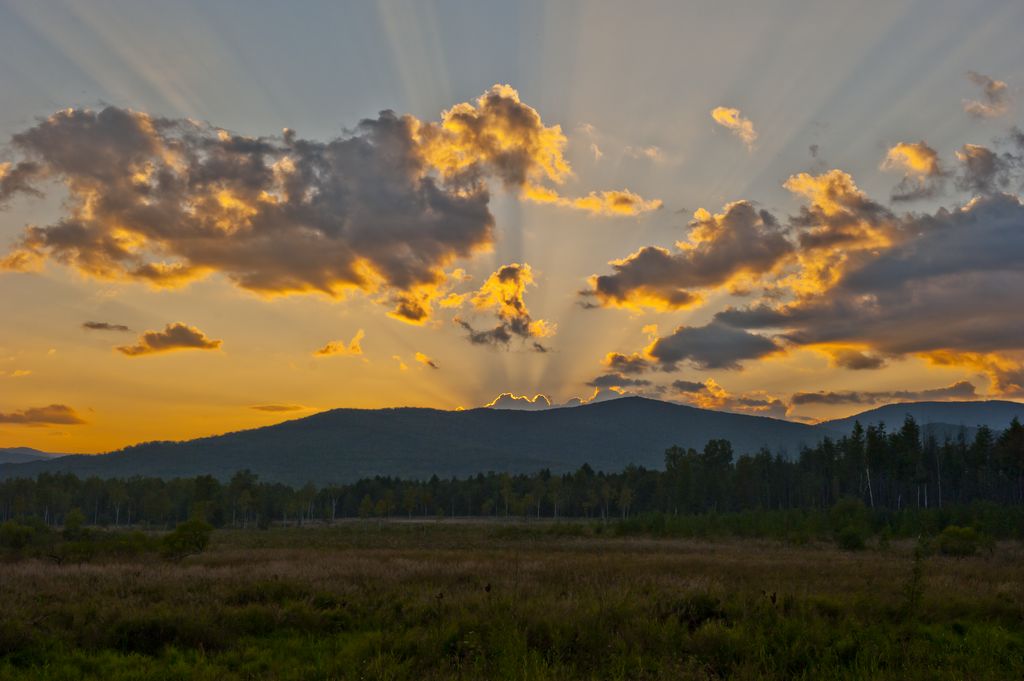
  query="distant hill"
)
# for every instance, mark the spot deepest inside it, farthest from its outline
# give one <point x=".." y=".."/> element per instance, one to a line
<point x="995" y="414"/>
<point x="343" y="445"/>
<point x="23" y="455"/>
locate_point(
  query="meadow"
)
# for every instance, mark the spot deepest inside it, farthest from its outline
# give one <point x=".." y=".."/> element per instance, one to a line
<point x="450" y="599"/>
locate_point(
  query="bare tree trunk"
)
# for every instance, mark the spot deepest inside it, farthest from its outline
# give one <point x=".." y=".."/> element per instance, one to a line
<point x="871" y="494"/>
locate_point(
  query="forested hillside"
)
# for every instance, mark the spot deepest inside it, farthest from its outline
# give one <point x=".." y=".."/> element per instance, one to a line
<point x="892" y="471"/>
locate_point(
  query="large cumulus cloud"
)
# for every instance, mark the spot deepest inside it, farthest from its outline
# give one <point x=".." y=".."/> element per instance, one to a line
<point x="384" y="210"/>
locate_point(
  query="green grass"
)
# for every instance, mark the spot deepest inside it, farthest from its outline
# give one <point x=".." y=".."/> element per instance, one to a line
<point x="439" y="600"/>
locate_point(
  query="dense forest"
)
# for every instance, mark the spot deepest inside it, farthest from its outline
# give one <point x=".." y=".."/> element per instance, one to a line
<point x="886" y="471"/>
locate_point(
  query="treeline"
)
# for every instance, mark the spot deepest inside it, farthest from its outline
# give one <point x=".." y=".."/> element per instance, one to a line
<point x="886" y="471"/>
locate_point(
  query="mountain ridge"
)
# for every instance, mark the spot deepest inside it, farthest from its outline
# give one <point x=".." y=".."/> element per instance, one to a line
<point x="343" y="445"/>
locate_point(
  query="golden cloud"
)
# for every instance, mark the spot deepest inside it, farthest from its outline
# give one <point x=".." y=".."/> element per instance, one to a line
<point x="916" y="158"/>
<point x="352" y="348"/>
<point x="732" y="120"/>
<point x="426" y="361"/>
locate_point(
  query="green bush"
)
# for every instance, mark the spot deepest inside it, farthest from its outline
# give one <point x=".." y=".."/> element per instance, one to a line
<point x="188" y="538"/>
<point x="850" y="538"/>
<point x="74" y="525"/>
<point x="15" y="536"/>
<point x="959" y="541"/>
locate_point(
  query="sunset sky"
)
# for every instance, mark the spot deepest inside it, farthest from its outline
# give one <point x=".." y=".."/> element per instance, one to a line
<point x="222" y="215"/>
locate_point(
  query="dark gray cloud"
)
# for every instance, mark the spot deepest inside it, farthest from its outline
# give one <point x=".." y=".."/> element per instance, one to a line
<point x="740" y="241"/>
<point x="276" y="215"/>
<point x="984" y="171"/>
<point x="617" y="380"/>
<point x="962" y="390"/>
<point x="176" y="336"/>
<point x="856" y="360"/>
<point x="713" y="346"/>
<point x="689" y="386"/>
<point x="50" y="415"/>
<point x="627" y="364"/>
<point x="19" y="178"/>
<point x="104" y="326"/>
<point x="956" y="271"/>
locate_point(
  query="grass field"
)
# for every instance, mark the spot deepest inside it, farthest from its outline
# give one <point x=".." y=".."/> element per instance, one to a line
<point x="433" y="600"/>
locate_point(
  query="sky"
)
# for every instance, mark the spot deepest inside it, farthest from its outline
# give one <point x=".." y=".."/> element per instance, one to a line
<point x="217" y="216"/>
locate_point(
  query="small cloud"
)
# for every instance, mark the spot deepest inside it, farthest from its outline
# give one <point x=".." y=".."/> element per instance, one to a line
<point x="278" y="407"/>
<point x="651" y="153"/>
<point x="617" y="380"/>
<point x="175" y="336"/>
<point x="614" y="202"/>
<point x="54" y="414"/>
<point x="995" y="97"/>
<point x="922" y="173"/>
<point x="402" y="366"/>
<point x="352" y="348"/>
<point x="426" y="361"/>
<point x="915" y="158"/>
<point x="596" y="151"/>
<point x="689" y="386"/>
<point x="104" y="326"/>
<point x="984" y="171"/>
<point x="736" y="123"/>
<point x="519" y="402"/>
<point x="504" y="294"/>
<point x="848" y="358"/>
<point x="634" y="363"/>
<point x="17" y="373"/>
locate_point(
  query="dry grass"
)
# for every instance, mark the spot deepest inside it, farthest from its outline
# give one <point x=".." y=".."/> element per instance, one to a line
<point x="366" y="600"/>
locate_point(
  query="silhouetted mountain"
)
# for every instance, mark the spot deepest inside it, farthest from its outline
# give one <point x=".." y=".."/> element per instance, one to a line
<point x="347" y="444"/>
<point x="23" y="455"/>
<point x="343" y="445"/>
<point x="995" y="414"/>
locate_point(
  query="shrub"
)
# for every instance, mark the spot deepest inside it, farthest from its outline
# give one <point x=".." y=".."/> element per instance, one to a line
<point x="850" y="538"/>
<point x="959" y="541"/>
<point x="74" y="525"/>
<point x="188" y="538"/>
<point x="15" y="535"/>
<point x="849" y="520"/>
